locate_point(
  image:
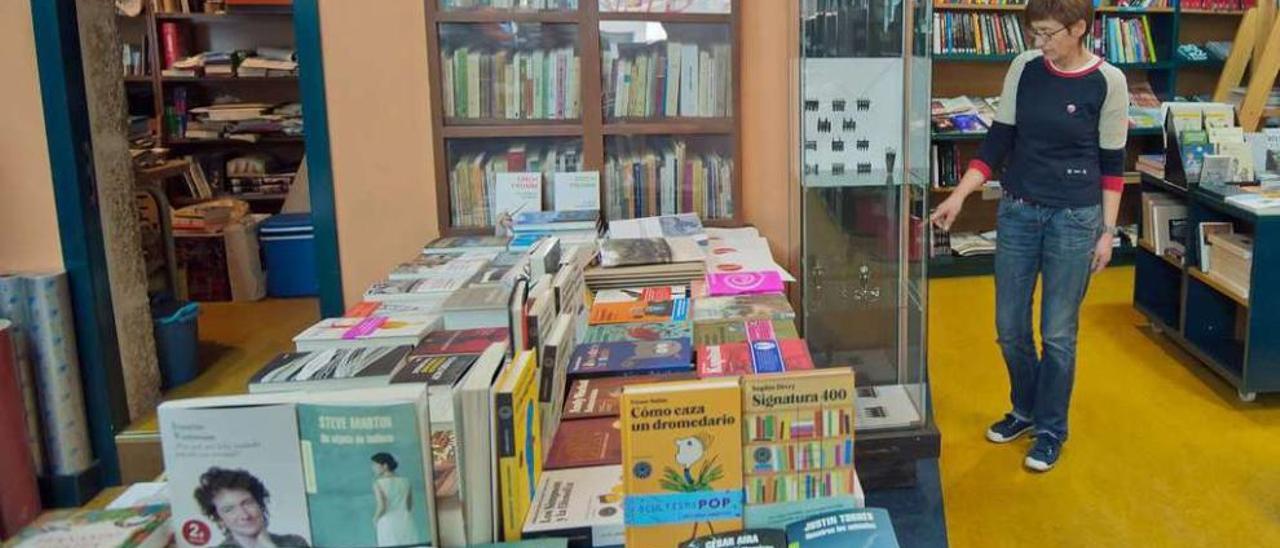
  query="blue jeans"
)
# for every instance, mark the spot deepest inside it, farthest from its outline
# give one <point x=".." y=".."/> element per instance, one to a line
<point x="1056" y="244"/>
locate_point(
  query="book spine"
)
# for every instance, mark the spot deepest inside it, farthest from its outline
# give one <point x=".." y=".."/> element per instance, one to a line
<point x="171" y="40"/>
<point x="508" y="467"/>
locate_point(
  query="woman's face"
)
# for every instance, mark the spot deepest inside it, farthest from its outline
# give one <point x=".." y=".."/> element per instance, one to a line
<point x="378" y="468"/>
<point x="240" y="512"/>
<point x="1056" y="40"/>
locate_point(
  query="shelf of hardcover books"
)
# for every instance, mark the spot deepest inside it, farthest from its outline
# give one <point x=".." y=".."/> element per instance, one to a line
<point x="664" y="175"/>
<point x="488" y="176"/>
<point x="501" y="75"/>
<point x="656" y="74"/>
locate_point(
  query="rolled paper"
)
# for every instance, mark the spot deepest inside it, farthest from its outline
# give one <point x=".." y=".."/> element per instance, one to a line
<point x="57" y="371"/>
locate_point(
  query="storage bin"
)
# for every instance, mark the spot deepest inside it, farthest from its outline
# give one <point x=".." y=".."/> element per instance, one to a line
<point x="177" y="333"/>
<point x="288" y="243"/>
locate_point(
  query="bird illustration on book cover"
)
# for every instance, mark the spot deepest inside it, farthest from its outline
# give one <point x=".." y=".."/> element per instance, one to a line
<point x="692" y="476"/>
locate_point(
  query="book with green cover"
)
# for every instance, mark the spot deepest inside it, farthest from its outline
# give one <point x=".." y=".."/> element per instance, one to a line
<point x="367" y="473"/>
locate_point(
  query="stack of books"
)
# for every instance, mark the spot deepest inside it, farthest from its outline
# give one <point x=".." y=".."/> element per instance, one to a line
<point x="963" y="114"/>
<point x="571" y="227"/>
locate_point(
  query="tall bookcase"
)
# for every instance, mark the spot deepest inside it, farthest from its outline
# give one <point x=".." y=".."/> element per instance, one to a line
<point x="633" y="146"/>
<point x="1169" y="76"/>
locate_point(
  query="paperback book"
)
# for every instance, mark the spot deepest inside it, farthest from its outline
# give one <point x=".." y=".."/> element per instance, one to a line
<point x="733" y="331"/>
<point x="583" y="443"/>
<point x="464" y="341"/>
<point x="457" y="244"/>
<point x="746" y="538"/>
<point x="674" y="311"/>
<point x="741" y="307"/>
<point x="682" y="460"/>
<point x="601" y="396"/>
<point x="868" y="528"/>
<point x="798" y="435"/>
<point x="361" y="332"/>
<point x="519" y="445"/>
<point x="137" y="527"/>
<point x="646" y="331"/>
<point x="631" y="358"/>
<point x="761" y="356"/>
<point x="582" y="506"/>
<point x="333" y="369"/>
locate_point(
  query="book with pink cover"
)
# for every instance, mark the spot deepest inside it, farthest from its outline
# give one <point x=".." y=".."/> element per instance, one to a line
<point x="744" y="283"/>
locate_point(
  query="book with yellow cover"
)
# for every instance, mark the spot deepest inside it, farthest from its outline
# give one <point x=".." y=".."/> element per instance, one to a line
<point x="797" y="433"/>
<point x="681" y="460"/>
<point x="519" y="446"/>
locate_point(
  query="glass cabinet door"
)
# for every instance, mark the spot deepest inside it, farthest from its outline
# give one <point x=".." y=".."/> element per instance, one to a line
<point x="863" y="162"/>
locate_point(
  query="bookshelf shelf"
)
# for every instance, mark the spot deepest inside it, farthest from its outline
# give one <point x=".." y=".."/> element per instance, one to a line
<point x="214" y="80"/>
<point x="1217" y="286"/>
<point x="979" y="7"/>
<point x="973" y="58"/>
<point x="677" y="126"/>
<point x="975" y="136"/>
<point x="228" y="17"/>
<point x="721" y="18"/>
<point x="478" y="131"/>
<point x="501" y="16"/>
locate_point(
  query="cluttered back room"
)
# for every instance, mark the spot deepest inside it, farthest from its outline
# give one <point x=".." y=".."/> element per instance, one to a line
<point x="694" y="273"/>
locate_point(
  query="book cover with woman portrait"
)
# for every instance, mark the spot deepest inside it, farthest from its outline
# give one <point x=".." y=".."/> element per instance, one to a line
<point x="366" y="468"/>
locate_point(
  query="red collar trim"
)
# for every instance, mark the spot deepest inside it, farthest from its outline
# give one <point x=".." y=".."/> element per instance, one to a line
<point x="1097" y="62"/>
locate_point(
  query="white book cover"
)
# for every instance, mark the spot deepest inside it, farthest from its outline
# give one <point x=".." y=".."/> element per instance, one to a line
<point x="689" y="80"/>
<point x="515" y="192"/>
<point x="235" y="474"/>
<point x="580" y="503"/>
<point x="577" y="190"/>
<point x="473" y="84"/>
<point x="356" y="332"/>
<point x="672" y="95"/>
<point x="743" y="255"/>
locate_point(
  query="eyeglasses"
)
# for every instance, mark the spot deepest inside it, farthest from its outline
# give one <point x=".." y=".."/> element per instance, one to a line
<point x="1044" y="36"/>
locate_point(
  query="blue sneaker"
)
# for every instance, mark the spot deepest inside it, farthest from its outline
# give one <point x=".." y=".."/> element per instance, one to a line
<point x="1008" y="429"/>
<point x="1044" y="454"/>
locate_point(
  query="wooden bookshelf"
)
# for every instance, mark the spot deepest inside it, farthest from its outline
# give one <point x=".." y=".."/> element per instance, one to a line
<point x="591" y="129"/>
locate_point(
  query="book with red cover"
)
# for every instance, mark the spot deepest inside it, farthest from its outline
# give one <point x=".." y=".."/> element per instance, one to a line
<point x="19" y="493"/>
<point x="736" y="358"/>
<point x="465" y="341"/>
<point x="586" y="442"/>
<point x="601" y="396"/>
<point x="172" y="41"/>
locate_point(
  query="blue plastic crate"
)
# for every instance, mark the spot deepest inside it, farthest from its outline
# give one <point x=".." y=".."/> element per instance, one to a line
<point x="288" y="244"/>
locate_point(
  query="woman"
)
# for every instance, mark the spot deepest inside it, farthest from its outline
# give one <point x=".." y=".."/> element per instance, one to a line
<point x="392" y="519"/>
<point x="1061" y="127"/>
<point x="237" y="502"/>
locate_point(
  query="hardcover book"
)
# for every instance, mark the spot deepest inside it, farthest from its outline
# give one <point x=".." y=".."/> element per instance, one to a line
<point x="213" y="445"/>
<point x="361" y="332"/>
<point x="462" y="341"/>
<point x="333" y="369"/>
<point x="457" y="244"/>
<point x="368" y="460"/>
<point x="741" y="307"/>
<point x="634" y="251"/>
<point x="519" y="444"/>
<point x="646" y="331"/>
<point x="734" y="331"/>
<point x="868" y="528"/>
<point x="744" y="283"/>
<point x="681" y="460"/>
<point x="797" y="430"/>
<point x="631" y="358"/>
<point x="744" y="358"/>
<point x="602" y="396"/>
<point x="674" y="310"/>
<point x="138" y="527"/>
<point x="582" y="505"/>
<point x="583" y="443"/>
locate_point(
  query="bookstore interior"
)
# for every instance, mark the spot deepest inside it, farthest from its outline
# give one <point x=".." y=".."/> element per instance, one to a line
<point x="637" y="273"/>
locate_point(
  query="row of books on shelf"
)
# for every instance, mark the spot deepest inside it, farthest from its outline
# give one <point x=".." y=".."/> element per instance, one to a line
<point x="528" y="84"/>
<point x="1218" y="5"/>
<point x="606" y="6"/>
<point x="484" y="185"/>
<point x="134" y="57"/>
<point x="1123" y="39"/>
<point x="666" y="180"/>
<point x="948" y="166"/>
<point x="241" y="121"/>
<point x="262" y="62"/>
<point x="669" y="79"/>
<point x="977" y="33"/>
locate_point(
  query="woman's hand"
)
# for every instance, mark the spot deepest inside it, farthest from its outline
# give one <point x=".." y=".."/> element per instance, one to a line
<point x="947" y="211"/>
<point x="1102" y="252"/>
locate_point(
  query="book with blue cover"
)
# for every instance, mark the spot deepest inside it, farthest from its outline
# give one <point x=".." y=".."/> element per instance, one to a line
<point x="367" y="471"/>
<point x="867" y="528"/>
<point x="631" y="358"/>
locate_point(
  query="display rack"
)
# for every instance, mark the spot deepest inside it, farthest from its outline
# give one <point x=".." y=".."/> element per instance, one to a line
<point x="1170" y="76"/>
<point x="597" y="135"/>
<point x="1231" y="334"/>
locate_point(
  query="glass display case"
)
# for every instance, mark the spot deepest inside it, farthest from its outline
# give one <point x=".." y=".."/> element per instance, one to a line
<point x="863" y="94"/>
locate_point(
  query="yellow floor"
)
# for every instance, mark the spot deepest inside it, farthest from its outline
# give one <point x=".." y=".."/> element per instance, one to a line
<point x="1162" y="453"/>
<point x="235" y="340"/>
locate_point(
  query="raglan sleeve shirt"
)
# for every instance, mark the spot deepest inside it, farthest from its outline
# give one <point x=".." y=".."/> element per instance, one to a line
<point x="1051" y="134"/>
